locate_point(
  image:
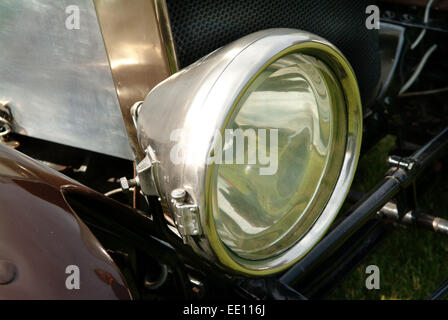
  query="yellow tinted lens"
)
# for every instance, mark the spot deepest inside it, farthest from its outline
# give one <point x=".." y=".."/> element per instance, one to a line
<point x="281" y="149"/>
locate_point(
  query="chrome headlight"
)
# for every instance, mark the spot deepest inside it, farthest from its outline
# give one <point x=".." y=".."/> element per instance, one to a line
<point x="252" y="149"/>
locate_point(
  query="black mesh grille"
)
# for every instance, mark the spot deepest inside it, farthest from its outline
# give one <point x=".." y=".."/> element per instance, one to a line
<point x="201" y="26"/>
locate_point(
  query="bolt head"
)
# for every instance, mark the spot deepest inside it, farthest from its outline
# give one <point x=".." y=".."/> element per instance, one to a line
<point x="124" y="183"/>
<point x="178" y="194"/>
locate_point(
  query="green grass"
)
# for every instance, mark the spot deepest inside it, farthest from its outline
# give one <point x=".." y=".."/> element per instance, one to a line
<point x="412" y="261"/>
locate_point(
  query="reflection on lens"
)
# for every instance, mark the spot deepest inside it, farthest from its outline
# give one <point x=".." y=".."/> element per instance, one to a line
<point x="292" y="118"/>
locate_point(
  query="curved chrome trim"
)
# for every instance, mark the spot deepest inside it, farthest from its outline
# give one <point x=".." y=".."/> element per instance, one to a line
<point x="139" y="46"/>
<point x="166" y="34"/>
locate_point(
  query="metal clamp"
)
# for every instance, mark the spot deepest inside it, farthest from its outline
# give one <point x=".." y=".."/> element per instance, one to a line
<point x="146" y="175"/>
<point x="186" y="215"/>
<point x="399" y="162"/>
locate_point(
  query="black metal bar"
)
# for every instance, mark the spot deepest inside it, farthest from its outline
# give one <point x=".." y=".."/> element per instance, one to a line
<point x="267" y="289"/>
<point x="317" y="283"/>
<point x="440" y="292"/>
<point x="432" y="223"/>
<point x="432" y="149"/>
<point x="363" y="211"/>
<point x="396" y="179"/>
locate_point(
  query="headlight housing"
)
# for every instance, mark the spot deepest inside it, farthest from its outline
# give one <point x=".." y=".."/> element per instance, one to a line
<point x="252" y="149"/>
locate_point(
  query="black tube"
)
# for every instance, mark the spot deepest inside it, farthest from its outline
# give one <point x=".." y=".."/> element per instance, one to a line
<point x="363" y="211"/>
<point x="440" y="292"/>
<point x="432" y="149"/>
<point x="432" y="223"/>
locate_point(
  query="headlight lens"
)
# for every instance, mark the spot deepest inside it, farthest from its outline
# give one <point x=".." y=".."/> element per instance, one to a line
<point x="290" y="100"/>
<point x="261" y="209"/>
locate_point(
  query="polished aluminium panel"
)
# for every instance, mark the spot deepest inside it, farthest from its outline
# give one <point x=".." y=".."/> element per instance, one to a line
<point x="56" y="80"/>
<point x="140" y="48"/>
<point x="204" y="99"/>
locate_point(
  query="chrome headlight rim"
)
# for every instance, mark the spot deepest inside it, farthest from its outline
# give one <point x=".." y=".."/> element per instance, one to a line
<point x="333" y="58"/>
<point x="206" y="95"/>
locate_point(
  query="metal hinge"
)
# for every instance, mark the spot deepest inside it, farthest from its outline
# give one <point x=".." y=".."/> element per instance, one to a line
<point x="186" y="215"/>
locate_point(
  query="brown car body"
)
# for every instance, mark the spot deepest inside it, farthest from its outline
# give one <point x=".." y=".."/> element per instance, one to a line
<point x="40" y="236"/>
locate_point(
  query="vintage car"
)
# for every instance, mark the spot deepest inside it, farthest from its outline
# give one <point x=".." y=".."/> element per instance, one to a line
<point x="205" y="149"/>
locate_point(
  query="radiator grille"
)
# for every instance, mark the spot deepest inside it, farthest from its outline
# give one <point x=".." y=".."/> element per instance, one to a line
<point x="201" y="26"/>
